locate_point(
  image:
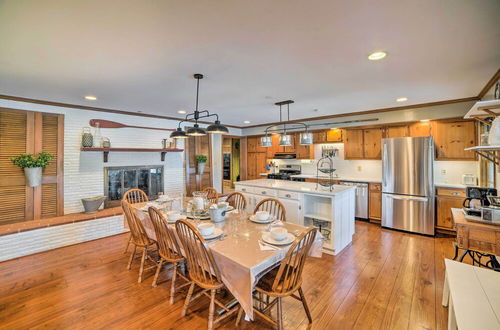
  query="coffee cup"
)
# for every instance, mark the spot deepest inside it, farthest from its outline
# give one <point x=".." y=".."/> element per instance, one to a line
<point x="206" y="229"/>
<point x="262" y="215"/>
<point x="173" y="215"/>
<point x="279" y="233"/>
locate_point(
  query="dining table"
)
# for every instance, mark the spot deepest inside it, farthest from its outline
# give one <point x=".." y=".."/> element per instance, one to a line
<point x="240" y="254"/>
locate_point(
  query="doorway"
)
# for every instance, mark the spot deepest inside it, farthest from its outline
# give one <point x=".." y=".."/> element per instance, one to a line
<point x="231" y="162"/>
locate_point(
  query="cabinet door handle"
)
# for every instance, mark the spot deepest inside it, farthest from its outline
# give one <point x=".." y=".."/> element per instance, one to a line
<point x="288" y="195"/>
<point x="263" y="192"/>
<point x="243" y="189"/>
<point x="300" y="207"/>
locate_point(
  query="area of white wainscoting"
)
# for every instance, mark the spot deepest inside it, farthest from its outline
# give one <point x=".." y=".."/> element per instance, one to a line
<point x="445" y="172"/>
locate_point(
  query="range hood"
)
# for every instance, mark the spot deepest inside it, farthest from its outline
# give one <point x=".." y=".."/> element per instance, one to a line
<point x="285" y="156"/>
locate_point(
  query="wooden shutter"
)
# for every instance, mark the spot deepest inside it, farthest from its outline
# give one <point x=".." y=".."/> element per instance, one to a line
<point x="30" y="132"/>
<point x="13" y="136"/>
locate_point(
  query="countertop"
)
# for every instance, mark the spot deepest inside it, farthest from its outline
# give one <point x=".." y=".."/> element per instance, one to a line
<point x="301" y="187"/>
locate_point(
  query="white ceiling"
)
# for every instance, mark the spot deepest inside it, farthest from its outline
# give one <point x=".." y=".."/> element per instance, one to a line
<point x="140" y="55"/>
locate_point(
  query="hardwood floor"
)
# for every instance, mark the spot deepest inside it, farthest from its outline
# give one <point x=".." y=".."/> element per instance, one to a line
<point x="384" y="280"/>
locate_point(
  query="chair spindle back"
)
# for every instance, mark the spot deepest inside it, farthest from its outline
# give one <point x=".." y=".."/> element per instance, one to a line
<point x="165" y="236"/>
<point x="237" y="200"/>
<point x="135" y="196"/>
<point x="273" y="206"/>
<point x="137" y="231"/>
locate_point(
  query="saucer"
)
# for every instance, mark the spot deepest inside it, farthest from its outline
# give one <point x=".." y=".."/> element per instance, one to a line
<point x="183" y="217"/>
<point x="254" y="218"/>
<point x="266" y="237"/>
<point x="217" y="232"/>
<point x="203" y="217"/>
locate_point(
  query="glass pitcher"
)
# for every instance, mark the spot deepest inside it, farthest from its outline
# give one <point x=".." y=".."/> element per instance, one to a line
<point x="199" y="207"/>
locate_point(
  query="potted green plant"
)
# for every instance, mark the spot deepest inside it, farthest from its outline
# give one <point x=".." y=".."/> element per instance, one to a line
<point x="33" y="166"/>
<point x="201" y="160"/>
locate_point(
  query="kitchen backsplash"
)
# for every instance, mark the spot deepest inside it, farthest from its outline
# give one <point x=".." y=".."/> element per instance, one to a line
<point x="449" y="172"/>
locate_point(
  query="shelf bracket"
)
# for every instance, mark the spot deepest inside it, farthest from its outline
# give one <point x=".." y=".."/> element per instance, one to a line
<point x="105" y="156"/>
<point x="163" y="153"/>
<point x="489" y="156"/>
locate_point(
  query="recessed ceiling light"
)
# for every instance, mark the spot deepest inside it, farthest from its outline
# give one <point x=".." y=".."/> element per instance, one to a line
<point x="401" y="99"/>
<point x="91" y="97"/>
<point x="424" y="120"/>
<point x="246" y="122"/>
<point x="375" y="56"/>
<point x="181" y="111"/>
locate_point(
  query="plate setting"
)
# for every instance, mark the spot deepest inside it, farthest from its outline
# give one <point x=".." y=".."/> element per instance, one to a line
<point x="254" y="218"/>
<point x="266" y="237"/>
<point x="217" y="232"/>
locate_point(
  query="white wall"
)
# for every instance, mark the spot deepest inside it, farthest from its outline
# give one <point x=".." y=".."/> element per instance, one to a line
<point x="449" y="172"/>
<point x="84" y="171"/>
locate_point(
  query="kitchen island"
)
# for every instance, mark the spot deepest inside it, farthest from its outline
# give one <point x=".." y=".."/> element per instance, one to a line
<point x="332" y="212"/>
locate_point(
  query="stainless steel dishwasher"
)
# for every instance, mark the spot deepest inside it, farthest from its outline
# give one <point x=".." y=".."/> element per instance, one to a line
<point x="361" y="198"/>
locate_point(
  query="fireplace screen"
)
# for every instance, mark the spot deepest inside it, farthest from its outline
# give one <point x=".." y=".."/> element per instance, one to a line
<point x="117" y="180"/>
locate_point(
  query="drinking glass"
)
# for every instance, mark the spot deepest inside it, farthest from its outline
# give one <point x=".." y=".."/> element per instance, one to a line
<point x="199" y="206"/>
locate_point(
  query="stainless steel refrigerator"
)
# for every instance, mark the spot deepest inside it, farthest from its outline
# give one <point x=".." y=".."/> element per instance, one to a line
<point x="408" y="184"/>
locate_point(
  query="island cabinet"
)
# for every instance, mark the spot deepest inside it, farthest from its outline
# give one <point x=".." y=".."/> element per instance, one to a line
<point x="332" y="213"/>
<point x="446" y="199"/>
<point x="375" y="201"/>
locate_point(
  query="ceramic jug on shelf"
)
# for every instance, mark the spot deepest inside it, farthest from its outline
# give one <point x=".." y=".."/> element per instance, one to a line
<point x="494" y="136"/>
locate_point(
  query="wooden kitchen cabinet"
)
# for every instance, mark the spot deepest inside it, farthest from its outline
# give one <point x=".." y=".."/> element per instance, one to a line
<point x="372" y="143"/>
<point x="353" y="144"/>
<point x="446" y="199"/>
<point x="397" y="131"/>
<point x="320" y="137"/>
<point x="420" y="129"/>
<point x="452" y="137"/>
<point x="334" y="135"/>
<point x="256" y="164"/>
<point x="375" y="201"/>
<point x="253" y="144"/>
<point x="303" y="152"/>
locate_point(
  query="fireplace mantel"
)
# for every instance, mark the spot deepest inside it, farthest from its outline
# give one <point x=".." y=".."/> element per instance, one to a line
<point x="106" y="151"/>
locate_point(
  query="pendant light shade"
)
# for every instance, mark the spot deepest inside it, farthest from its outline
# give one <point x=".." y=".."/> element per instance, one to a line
<point x="217" y="128"/>
<point x="196" y="131"/>
<point x="178" y="134"/>
<point x="306" y="138"/>
<point x="266" y="141"/>
<point x="285" y="140"/>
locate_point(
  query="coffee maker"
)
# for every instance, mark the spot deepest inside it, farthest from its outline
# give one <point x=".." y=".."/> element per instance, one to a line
<point x="477" y="198"/>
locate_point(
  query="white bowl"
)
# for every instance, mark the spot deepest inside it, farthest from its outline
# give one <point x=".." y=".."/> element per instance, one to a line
<point x="262" y="215"/>
<point x="206" y="229"/>
<point x="279" y="234"/>
<point x="173" y="215"/>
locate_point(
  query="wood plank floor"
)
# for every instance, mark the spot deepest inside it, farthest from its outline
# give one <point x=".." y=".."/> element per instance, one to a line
<point x="384" y="280"/>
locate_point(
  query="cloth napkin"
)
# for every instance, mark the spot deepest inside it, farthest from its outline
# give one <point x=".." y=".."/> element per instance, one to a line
<point x="264" y="247"/>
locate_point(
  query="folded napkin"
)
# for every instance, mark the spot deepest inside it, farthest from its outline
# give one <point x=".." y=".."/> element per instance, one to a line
<point x="265" y="247"/>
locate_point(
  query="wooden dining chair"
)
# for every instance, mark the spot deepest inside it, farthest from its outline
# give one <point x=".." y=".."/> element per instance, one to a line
<point x="203" y="271"/>
<point x="133" y="196"/>
<point x="168" y="249"/>
<point x="273" y="206"/>
<point x="139" y="238"/>
<point x="237" y="200"/>
<point x="213" y="195"/>
<point x="284" y="281"/>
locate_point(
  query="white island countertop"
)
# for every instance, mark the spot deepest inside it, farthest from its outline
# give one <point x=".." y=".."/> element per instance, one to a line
<point x="301" y="187"/>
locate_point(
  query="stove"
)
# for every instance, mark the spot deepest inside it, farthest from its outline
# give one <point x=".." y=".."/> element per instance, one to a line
<point x="285" y="172"/>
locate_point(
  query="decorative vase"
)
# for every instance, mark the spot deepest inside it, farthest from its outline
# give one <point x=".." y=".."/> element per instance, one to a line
<point x="494" y="137"/>
<point x="106" y="143"/>
<point x="33" y="176"/>
<point x="87" y="138"/>
<point x="201" y="168"/>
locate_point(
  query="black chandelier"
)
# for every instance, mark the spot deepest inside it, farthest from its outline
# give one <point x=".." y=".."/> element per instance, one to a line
<point x="306" y="138"/>
<point x="196" y="130"/>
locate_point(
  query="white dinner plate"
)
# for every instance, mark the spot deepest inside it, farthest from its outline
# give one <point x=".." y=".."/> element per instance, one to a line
<point x="183" y="217"/>
<point x="217" y="232"/>
<point x="266" y="237"/>
<point x="156" y="205"/>
<point x="254" y="218"/>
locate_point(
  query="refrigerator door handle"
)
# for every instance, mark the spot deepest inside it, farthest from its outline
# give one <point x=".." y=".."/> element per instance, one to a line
<point x="384" y="161"/>
<point x="408" y="198"/>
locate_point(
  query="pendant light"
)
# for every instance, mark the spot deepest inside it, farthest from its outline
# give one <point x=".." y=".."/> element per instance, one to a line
<point x="285" y="139"/>
<point x="196" y="130"/>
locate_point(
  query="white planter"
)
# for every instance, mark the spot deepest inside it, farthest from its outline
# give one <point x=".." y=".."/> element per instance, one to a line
<point x="201" y="168"/>
<point x="33" y="176"/>
<point x="494" y="137"/>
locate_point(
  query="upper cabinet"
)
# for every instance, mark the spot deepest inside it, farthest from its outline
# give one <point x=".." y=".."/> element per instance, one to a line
<point x="372" y="143"/>
<point x="397" y="131"/>
<point x="420" y="129"/>
<point x="253" y="144"/>
<point x="452" y="137"/>
<point x="353" y="144"/>
<point x="334" y="135"/>
<point x="320" y="137"/>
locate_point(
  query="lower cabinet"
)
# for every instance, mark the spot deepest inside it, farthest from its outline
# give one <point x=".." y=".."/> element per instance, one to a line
<point x="375" y="201"/>
<point x="446" y="199"/>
